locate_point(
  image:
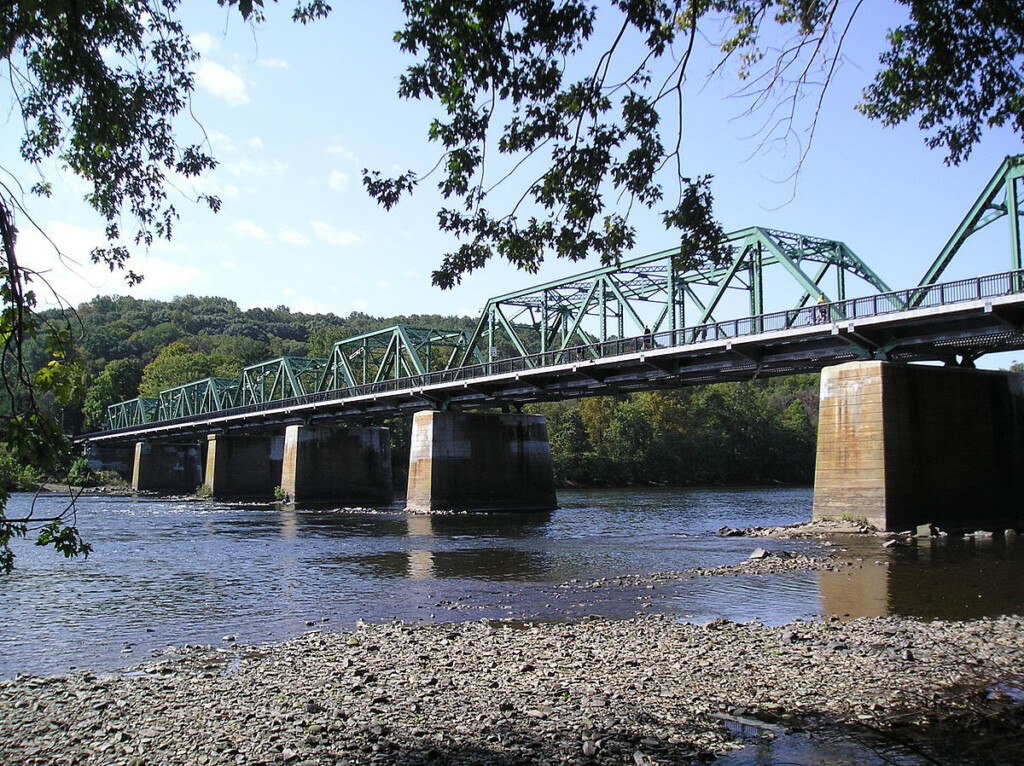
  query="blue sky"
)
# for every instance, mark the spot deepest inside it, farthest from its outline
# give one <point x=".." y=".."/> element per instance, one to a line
<point x="294" y="113"/>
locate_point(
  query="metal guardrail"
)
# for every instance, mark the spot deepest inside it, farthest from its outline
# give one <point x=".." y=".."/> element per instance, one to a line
<point x="930" y="296"/>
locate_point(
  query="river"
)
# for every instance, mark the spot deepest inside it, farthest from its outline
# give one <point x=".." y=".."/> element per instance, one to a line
<point x="174" y="571"/>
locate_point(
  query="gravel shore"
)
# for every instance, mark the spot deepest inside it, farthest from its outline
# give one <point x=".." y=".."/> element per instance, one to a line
<point x="642" y="691"/>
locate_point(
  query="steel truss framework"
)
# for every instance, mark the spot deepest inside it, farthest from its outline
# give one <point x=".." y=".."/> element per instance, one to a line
<point x="280" y="378"/>
<point x="134" y="412"/>
<point x="649" y="301"/>
<point x="198" y="398"/>
<point x="391" y="353"/>
<point x="1008" y="181"/>
<point x="651" y="294"/>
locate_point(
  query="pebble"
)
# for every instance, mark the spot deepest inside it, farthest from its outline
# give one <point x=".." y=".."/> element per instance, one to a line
<point x="647" y="690"/>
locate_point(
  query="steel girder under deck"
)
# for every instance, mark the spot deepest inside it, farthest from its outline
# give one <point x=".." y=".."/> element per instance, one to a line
<point x="391" y="353"/>
<point x="652" y="294"/>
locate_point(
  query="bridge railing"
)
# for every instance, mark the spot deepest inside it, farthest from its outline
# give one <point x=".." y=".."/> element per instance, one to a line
<point x="930" y="296"/>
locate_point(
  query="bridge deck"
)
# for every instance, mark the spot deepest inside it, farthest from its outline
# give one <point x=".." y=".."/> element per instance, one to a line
<point x="944" y="322"/>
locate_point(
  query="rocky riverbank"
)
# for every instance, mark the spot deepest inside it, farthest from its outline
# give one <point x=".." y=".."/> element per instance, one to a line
<point x="641" y="691"/>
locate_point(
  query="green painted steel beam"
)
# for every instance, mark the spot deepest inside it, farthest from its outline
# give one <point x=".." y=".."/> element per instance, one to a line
<point x="198" y="397"/>
<point x="620" y="292"/>
<point x="390" y="353"/>
<point x="134" y="412"/>
<point x="283" y="378"/>
<point x="984" y="211"/>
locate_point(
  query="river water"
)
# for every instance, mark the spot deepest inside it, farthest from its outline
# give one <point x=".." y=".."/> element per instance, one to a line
<point x="167" y="572"/>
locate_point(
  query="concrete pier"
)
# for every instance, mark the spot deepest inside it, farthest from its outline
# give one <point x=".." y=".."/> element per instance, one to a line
<point x="345" y="465"/>
<point x="903" y="445"/>
<point x="119" y="458"/>
<point x="480" y="461"/>
<point x="167" y="467"/>
<point x="244" y="466"/>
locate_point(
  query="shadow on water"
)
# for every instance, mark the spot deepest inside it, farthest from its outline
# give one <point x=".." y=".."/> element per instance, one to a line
<point x="939" y="578"/>
<point x="971" y="727"/>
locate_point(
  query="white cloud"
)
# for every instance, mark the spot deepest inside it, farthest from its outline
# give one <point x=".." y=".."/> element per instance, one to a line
<point x="255" y="143"/>
<point x="384" y="285"/>
<point x="165" y="279"/>
<point x="293" y="237"/>
<point x="273" y="63"/>
<point x="344" y="152"/>
<point x="76" y="279"/>
<point x="304" y="303"/>
<point x="208" y="183"/>
<point x="222" y="83"/>
<point x="229" y="265"/>
<point x="204" y="43"/>
<point x="246" y="228"/>
<point x="222" y="142"/>
<point x="307" y="305"/>
<point x="335" y="236"/>
<point x="247" y="167"/>
<point x="338" y="181"/>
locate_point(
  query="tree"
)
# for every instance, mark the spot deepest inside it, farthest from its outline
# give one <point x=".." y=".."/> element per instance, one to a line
<point x="118" y="381"/>
<point x="178" y="364"/>
<point x="590" y="147"/>
<point x="98" y="86"/>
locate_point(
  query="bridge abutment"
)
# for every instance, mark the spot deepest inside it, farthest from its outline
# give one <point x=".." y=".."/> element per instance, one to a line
<point x="350" y="465"/>
<point x="243" y="466"/>
<point x="167" y="467"/>
<point x="480" y="461"/>
<point x="904" y="445"/>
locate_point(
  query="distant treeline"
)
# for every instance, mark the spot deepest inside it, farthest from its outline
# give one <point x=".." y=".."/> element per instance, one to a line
<point x="757" y="432"/>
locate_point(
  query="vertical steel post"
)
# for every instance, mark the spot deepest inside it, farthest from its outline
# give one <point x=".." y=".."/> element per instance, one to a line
<point x="757" y="285"/>
<point x="670" y="296"/>
<point x="840" y="279"/>
<point x="544" y="322"/>
<point x="603" y="302"/>
<point x="490" y="335"/>
<point x="1013" y="211"/>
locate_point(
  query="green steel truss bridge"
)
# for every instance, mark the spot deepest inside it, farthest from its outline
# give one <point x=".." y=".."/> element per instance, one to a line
<point x="644" y="324"/>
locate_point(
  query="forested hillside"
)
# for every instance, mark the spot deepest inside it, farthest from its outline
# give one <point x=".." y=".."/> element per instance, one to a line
<point x="130" y="347"/>
<point x="756" y="432"/>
